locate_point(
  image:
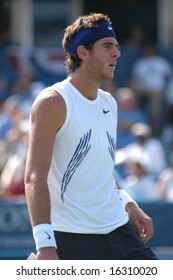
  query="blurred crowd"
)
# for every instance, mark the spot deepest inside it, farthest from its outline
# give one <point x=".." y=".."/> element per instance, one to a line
<point x="18" y="89"/>
<point x="144" y="157"/>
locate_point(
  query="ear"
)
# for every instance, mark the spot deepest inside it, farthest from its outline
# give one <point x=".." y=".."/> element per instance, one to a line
<point x="82" y="52"/>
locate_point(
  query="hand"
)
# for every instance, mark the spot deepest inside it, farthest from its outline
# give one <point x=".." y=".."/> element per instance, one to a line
<point x="141" y="221"/>
<point x="47" y="253"/>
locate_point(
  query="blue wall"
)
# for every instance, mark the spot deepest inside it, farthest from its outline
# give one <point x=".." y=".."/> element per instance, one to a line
<point x="16" y="241"/>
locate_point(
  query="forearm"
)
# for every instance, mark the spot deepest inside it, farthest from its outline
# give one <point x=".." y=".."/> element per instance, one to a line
<point x="141" y="222"/>
<point x="38" y="203"/>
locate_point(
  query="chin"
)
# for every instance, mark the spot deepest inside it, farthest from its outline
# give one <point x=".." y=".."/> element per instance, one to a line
<point x="110" y="78"/>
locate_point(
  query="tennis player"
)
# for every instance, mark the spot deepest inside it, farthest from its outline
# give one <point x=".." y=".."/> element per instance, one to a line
<point x="76" y="206"/>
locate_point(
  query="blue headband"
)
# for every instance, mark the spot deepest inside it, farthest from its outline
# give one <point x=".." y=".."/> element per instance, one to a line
<point x="89" y="35"/>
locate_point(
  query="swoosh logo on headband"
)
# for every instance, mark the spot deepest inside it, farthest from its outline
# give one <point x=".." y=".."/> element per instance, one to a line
<point x="110" y="27"/>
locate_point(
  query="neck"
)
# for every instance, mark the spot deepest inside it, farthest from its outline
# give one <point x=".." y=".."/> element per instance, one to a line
<point x="87" y="87"/>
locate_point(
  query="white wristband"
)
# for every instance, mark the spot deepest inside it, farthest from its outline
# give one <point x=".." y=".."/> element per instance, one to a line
<point x="126" y="198"/>
<point x="44" y="236"/>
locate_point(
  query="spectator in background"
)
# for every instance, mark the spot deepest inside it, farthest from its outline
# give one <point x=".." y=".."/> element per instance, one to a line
<point x="128" y="114"/>
<point x="3" y="155"/>
<point x="12" y="148"/>
<point x="169" y="105"/>
<point x="147" y="149"/>
<point x="5" y="126"/>
<point x="165" y="180"/>
<point x="149" y="76"/>
<point x="167" y="131"/>
<point x="25" y="89"/>
<point x="12" y="176"/>
<point x="5" y="122"/>
<point x="109" y="86"/>
<point x="6" y="69"/>
<point x="13" y="115"/>
<point x="135" y="38"/>
<point x="140" y="184"/>
<point x="165" y="184"/>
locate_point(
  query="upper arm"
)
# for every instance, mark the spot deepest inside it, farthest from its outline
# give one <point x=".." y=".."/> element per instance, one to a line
<point x="47" y="116"/>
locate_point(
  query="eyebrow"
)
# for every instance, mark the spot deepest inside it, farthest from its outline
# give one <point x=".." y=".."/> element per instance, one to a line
<point x="111" y="43"/>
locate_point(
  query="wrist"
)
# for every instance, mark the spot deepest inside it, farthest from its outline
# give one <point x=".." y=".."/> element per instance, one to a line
<point x="130" y="206"/>
<point x="127" y="199"/>
<point x="44" y="236"/>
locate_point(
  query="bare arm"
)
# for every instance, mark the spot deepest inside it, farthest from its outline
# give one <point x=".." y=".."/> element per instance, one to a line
<point x="47" y="116"/>
<point x="140" y="220"/>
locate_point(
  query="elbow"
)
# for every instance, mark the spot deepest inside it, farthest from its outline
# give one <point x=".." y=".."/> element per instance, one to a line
<point x="29" y="181"/>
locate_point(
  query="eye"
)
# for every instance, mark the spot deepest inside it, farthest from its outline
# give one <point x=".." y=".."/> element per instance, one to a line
<point x="108" y="45"/>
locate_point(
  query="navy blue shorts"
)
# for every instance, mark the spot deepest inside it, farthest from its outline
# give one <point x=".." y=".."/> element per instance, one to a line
<point x="123" y="243"/>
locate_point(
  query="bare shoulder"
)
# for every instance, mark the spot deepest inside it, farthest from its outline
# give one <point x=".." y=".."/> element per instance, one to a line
<point x="49" y="105"/>
<point x="50" y="99"/>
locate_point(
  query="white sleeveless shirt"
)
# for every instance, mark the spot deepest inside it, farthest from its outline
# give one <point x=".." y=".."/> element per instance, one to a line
<point x="84" y="196"/>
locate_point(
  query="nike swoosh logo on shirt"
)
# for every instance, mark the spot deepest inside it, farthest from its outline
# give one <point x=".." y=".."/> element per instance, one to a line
<point x="105" y="111"/>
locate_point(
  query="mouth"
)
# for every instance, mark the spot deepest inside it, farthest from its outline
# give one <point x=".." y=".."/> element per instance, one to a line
<point x="112" y="65"/>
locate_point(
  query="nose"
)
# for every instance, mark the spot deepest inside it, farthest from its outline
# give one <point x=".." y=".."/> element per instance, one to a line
<point x="117" y="53"/>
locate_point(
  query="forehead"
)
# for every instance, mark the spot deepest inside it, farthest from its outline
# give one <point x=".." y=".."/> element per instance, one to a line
<point x="106" y="40"/>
